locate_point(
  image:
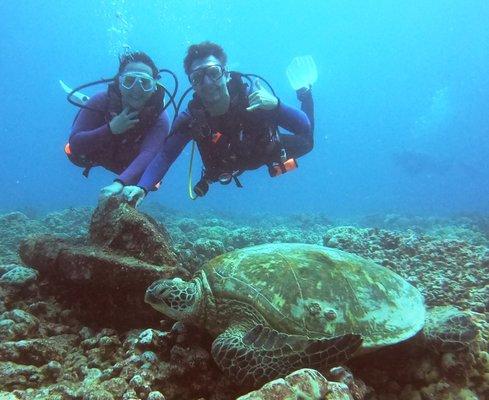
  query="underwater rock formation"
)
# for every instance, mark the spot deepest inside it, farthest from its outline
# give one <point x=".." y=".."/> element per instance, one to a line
<point x="17" y="276"/>
<point x="301" y="384"/>
<point x="120" y="228"/>
<point x="357" y="387"/>
<point x="126" y="252"/>
<point x="76" y="263"/>
<point x="446" y="271"/>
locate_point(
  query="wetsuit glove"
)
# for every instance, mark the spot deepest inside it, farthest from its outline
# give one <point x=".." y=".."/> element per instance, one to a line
<point x="134" y="195"/>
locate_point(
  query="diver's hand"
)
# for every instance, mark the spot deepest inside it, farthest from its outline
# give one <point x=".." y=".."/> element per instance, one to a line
<point x="304" y="93"/>
<point x="261" y="99"/>
<point x="134" y="195"/>
<point x="124" y="121"/>
<point x="114" y="189"/>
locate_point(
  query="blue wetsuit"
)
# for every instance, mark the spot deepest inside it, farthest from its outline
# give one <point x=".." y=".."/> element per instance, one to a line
<point x="184" y="129"/>
<point x="128" y="154"/>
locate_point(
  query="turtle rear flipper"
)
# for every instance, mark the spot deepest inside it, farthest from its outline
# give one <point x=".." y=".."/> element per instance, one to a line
<point x="262" y="354"/>
<point x="449" y="329"/>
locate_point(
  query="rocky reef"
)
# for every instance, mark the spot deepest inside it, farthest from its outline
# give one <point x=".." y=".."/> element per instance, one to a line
<point x="73" y="324"/>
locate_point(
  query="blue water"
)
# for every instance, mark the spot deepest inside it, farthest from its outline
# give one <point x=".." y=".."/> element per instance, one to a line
<point x="402" y="99"/>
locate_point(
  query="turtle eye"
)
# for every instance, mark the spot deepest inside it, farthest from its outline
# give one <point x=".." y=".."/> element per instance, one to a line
<point x="160" y="291"/>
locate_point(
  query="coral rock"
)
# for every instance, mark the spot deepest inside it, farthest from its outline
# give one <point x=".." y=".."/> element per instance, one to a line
<point x="304" y="383"/>
<point x="14" y="376"/>
<point x="357" y="387"/>
<point x="120" y="227"/>
<point x="125" y="253"/>
<point x="19" y="277"/>
<point x="37" y="351"/>
<point x="155" y="396"/>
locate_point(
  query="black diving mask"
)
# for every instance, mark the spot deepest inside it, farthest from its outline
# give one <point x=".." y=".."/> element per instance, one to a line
<point x="213" y="72"/>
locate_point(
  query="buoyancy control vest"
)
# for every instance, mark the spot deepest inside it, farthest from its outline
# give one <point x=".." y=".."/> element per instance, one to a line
<point x="236" y="141"/>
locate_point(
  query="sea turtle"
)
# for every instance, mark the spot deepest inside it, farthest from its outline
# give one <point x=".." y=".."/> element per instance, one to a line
<point x="276" y="308"/>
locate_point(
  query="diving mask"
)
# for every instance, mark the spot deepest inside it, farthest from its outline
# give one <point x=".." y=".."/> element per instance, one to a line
<point x="146" y="81"/>
<point x="213" y="72"/>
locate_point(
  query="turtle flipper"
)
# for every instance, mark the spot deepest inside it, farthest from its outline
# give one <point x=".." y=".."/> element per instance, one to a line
<point x="449" y="329"/>
<point x="263" y="354"/>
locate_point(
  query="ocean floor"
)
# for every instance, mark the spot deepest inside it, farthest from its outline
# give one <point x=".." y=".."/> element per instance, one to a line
<point x="64" y="338"/>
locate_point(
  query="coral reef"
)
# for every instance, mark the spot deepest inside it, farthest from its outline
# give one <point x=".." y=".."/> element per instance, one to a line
<point x="446" y="271"/>
<point x="66" y="336"/>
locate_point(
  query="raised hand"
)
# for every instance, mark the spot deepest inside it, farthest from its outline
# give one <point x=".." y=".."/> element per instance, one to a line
<point x="124" y="121"/>
<point x="261" y="99"/>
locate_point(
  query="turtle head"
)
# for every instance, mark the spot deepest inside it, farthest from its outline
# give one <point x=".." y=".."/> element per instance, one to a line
<point x="176" y="298"/>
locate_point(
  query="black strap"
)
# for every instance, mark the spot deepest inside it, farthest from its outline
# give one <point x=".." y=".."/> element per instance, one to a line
<point x="86" y="171"/>
<point x="237" y="181"/>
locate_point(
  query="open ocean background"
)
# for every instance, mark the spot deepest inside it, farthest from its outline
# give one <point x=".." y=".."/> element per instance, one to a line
<point x="402" y="99"/>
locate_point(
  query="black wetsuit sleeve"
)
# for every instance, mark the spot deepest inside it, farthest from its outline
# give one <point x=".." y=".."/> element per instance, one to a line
<point x="292" y="119"/>
<point x="307" y="104"/>
<point x="298" y="123"/>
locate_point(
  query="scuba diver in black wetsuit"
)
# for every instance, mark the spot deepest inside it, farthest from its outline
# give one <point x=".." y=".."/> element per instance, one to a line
<point x="234" y="124"/>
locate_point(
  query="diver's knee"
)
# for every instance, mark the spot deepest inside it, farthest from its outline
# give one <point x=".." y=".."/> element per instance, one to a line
<point x="305" y="147"/>
<point x="308" y="145"/>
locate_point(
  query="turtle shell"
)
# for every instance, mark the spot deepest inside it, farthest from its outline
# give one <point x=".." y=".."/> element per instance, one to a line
<point x="318" y="292"/>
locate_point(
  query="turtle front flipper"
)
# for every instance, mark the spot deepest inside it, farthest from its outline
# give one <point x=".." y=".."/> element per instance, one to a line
<point x="262" y="354"/>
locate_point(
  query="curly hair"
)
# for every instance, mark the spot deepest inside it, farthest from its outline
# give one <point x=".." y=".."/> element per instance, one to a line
<point x="203" y="50"/>
<point x="137" y="56"/>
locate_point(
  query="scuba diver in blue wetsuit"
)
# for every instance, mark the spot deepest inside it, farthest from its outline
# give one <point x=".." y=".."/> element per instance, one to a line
<point x="123" y="127"/>
<point x="234" y="124"/>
